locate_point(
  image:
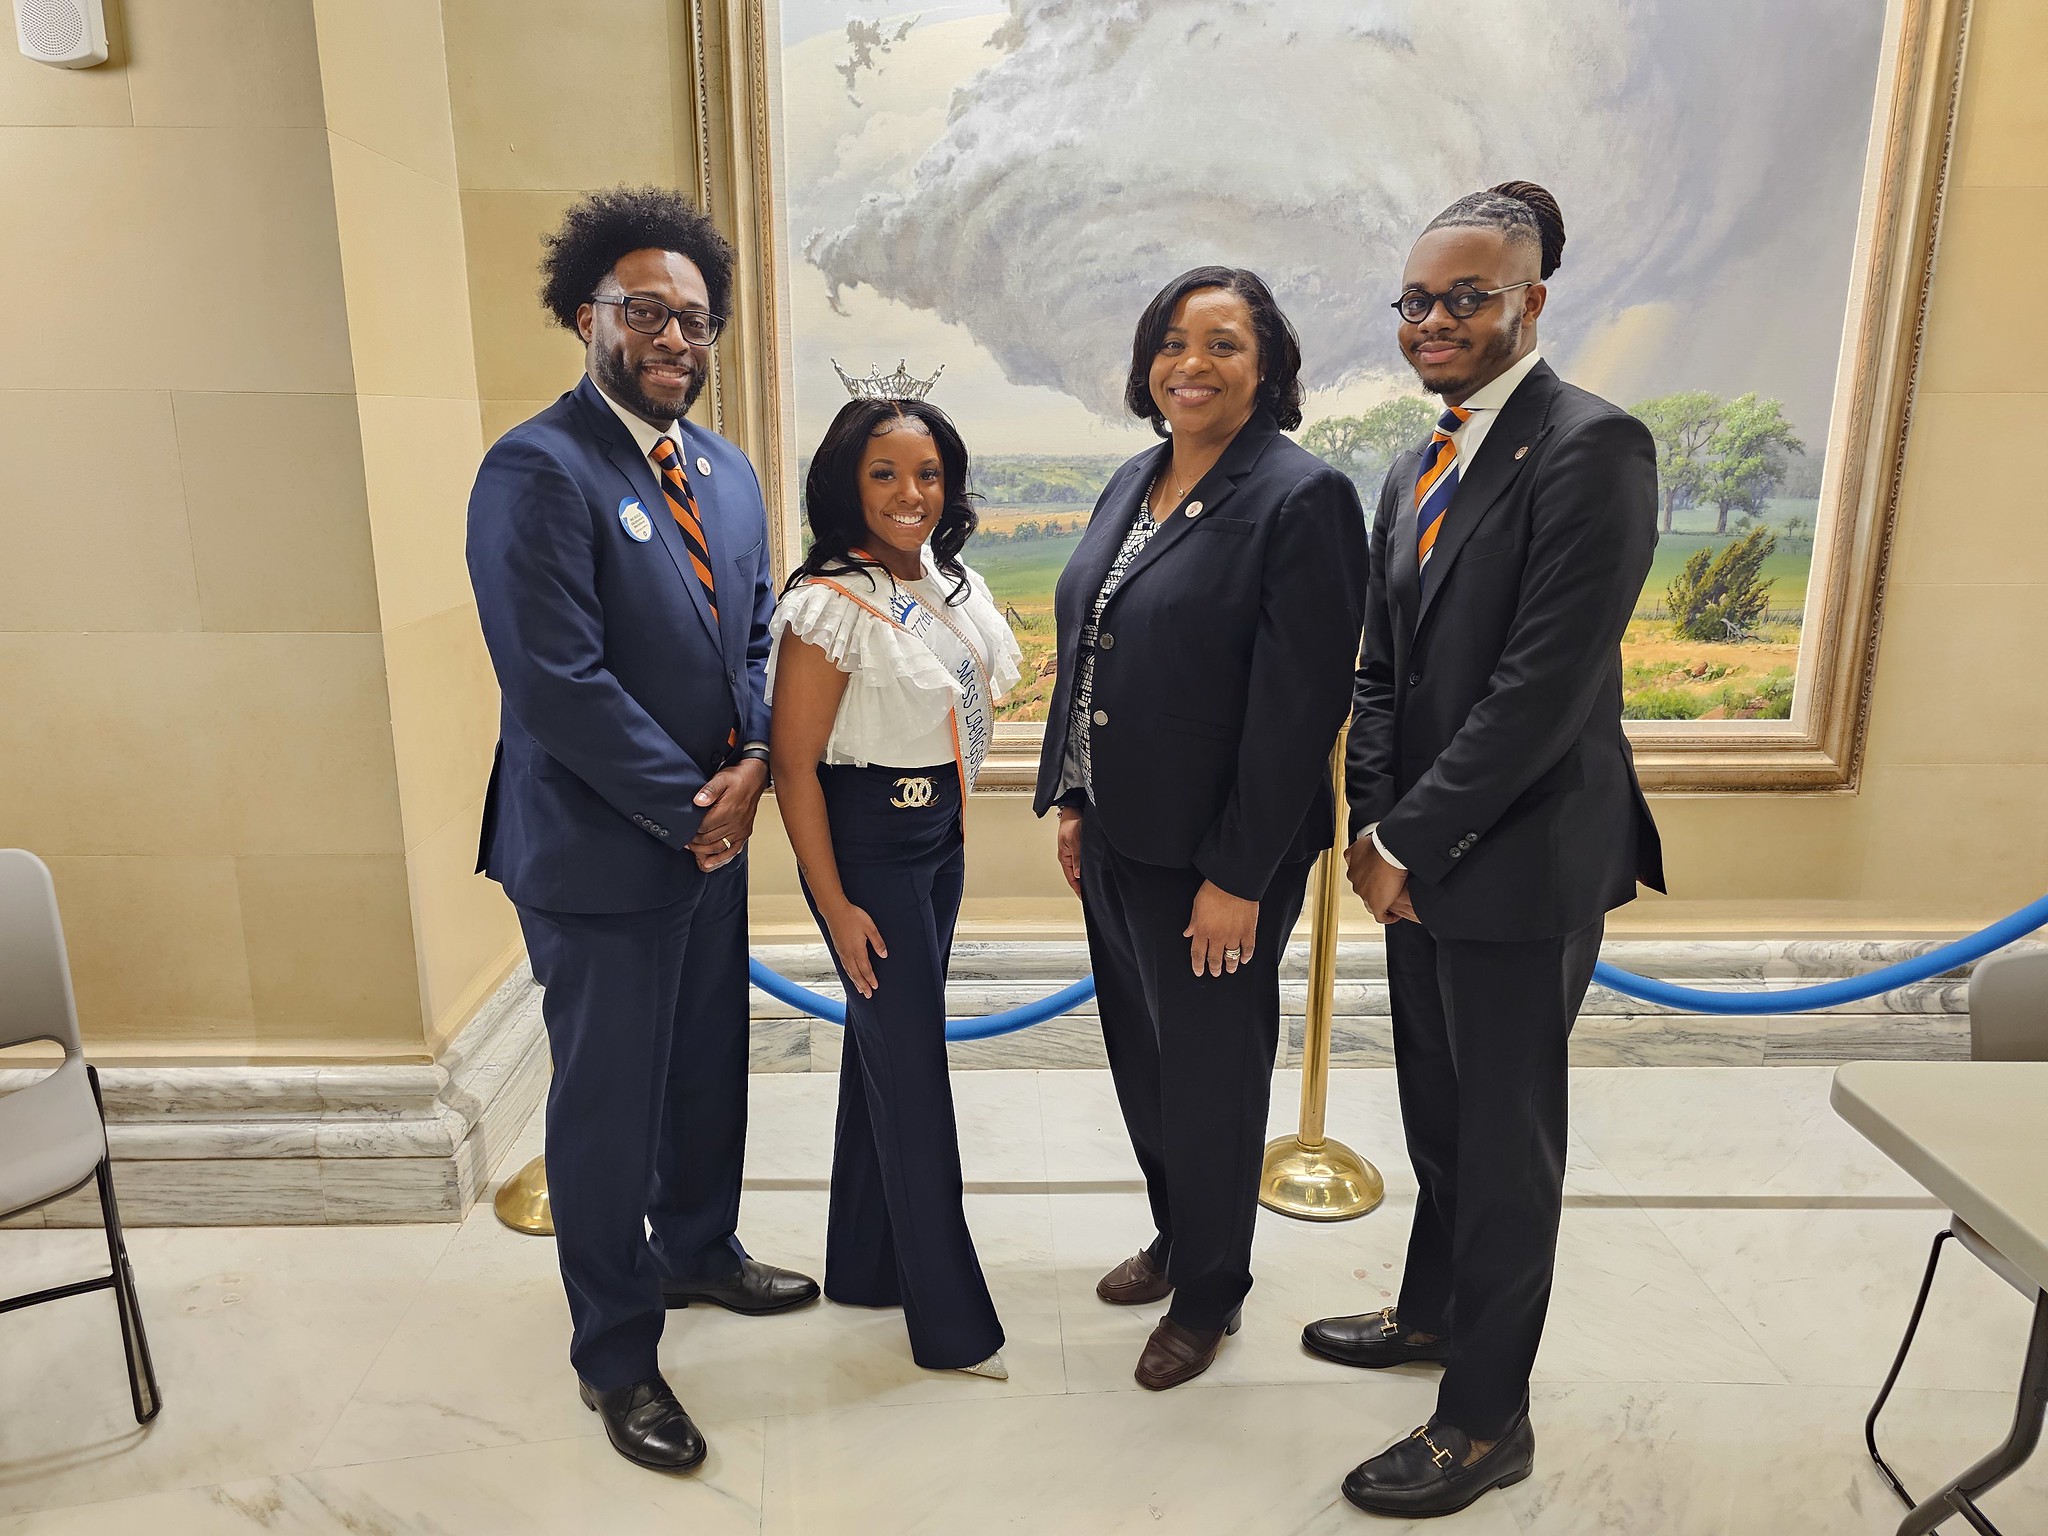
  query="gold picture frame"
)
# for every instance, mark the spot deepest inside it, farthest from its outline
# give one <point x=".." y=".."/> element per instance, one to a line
<point x="735" y="93"/>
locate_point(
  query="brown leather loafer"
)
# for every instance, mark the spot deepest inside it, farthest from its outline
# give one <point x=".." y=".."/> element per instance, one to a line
<point x="1175" y="1354"/>
<point x="1134" y="1282"/>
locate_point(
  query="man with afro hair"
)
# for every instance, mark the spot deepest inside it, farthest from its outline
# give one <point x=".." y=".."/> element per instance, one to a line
<point x="620" y="560"/>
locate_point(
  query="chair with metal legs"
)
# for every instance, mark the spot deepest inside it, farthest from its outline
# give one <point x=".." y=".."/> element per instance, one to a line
<point x="53" y="1133"/>
<point x="2008" y="1022"/>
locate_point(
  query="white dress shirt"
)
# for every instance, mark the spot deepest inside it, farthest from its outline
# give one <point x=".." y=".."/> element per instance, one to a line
<point x="1484" y="403"/>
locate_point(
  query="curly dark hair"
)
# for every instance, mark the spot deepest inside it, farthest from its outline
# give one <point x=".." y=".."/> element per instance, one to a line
<point x="1279" y="347"/>
<point x="832" y="492"/>
<point x="606" y="225"/>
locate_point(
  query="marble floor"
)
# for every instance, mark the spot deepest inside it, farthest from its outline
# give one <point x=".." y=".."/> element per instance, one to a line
<point x="1735" y="1268"/>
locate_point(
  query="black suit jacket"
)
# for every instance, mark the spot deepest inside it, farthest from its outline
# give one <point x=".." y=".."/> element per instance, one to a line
<point x="1486" y="734"/>
<point x="1223" y="667"/>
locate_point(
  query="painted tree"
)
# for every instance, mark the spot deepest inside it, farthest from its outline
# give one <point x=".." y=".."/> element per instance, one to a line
<point x="1363" y="446"/>
<point x="1723" y="595"/>
<point x="1748" y="452"/>
<point x="1683" y="425"/>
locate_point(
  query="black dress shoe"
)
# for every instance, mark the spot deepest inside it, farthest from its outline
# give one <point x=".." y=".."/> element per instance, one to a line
<point x="756" y="1288"/>
<point x="1426" y="1474"/>
<point x="1374" y="1340"/>
<point x="647" y="1426"/>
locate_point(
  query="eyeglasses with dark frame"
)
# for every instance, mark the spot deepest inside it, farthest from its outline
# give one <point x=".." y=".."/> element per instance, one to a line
<point x="1462" y="302"/>
<point x="650" y="317"/>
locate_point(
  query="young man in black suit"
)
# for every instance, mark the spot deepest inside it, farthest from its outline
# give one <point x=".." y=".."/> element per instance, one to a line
<point x="1495" y="817"/>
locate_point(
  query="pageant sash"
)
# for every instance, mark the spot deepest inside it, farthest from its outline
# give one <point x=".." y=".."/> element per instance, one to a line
<point x="973" y="718"/>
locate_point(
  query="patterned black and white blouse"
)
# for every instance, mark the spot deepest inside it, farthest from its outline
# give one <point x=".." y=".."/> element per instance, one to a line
<point x="1076" y="771"/>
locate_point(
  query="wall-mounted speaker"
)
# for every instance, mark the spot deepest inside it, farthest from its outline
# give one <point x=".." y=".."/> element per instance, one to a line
<point x="71" y="34"/>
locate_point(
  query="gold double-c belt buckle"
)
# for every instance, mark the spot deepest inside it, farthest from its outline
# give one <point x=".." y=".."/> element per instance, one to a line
<point x="915" y="793"/>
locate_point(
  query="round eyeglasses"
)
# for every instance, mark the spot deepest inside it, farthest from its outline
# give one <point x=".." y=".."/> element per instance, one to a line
<point x="650" y="317"/>
<point x="1461" y="303"/>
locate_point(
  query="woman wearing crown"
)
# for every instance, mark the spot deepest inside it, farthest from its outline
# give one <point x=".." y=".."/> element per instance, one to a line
<point x="889" y="655"/>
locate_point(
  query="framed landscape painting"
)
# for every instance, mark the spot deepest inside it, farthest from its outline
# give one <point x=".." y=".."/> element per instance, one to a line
<point x="984" y="195"/>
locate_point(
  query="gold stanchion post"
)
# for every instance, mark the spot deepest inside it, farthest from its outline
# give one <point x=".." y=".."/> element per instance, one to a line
<point x="1308" y="1175"/>
<point x="522" y="1202"/>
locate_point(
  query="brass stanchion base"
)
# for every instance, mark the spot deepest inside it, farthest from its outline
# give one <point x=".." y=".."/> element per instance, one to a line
<point x="522" y="1202"/>
<point x="1327" y="1182"/>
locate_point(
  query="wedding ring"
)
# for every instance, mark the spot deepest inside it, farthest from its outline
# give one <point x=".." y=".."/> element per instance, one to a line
<point x="1232" y="954"/>
<point x="728" y="844"/>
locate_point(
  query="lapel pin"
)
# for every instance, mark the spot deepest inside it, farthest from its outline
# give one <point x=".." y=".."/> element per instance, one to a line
<point x="704" y="464"/>
<point x="1520" y="452"/>
<point x="1194" y="509"/>
<point x="633" y="517"/>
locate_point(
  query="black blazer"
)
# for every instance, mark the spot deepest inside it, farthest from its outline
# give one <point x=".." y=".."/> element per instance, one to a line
<point x="1486" y="734"/>
<point x="1224" y="661"/>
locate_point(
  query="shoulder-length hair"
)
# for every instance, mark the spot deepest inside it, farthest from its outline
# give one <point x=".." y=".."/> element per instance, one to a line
<point x="1279" y="347"/>
<point x="832" y="493"/>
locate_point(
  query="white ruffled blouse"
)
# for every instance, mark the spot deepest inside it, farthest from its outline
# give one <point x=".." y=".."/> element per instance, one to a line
<point x="896" y="711"/>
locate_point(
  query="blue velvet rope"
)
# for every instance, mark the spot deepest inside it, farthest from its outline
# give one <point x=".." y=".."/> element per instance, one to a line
<point x="819" y="1006"/>
<point x="1829" y="994"/>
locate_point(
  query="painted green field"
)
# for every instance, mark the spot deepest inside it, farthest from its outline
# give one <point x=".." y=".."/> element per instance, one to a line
<point x="1667" y="679"/>
<point x="1023" y="574"/>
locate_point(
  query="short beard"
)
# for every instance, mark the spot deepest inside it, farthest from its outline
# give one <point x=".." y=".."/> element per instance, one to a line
<point x="1487" y="365"/>
<point x="623" y="385"/>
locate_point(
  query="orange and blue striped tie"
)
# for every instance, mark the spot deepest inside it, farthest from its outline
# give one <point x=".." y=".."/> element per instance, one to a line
<point x="682" y="506"/>
<point x="1437" y="484"/>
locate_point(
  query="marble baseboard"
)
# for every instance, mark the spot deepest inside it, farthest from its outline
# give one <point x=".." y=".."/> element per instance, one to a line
<point x="252" y="1146"/>
<point x="1928" y="1021"/>
<point x="258" y="1146"/>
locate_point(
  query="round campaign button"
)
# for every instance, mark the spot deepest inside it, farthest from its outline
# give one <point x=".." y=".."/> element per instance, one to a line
<point x="703" y="465"/>
<point x="633" y="518"/>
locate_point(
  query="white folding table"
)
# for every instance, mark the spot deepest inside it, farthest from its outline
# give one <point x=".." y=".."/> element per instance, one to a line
<point x="1975" y="1134"/>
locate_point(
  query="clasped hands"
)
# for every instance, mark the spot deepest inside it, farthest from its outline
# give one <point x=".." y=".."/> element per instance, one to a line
<point x="729" y="797"/>
<point x="1383" y="887"/>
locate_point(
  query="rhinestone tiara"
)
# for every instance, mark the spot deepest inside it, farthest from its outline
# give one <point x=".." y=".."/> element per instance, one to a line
<point x="900" y="385"/>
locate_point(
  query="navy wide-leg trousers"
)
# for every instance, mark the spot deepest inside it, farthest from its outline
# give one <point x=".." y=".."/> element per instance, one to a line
<point x="897" y="1229"/>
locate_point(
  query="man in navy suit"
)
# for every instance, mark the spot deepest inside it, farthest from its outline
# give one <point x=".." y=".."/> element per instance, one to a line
<point x="619" y="556"/>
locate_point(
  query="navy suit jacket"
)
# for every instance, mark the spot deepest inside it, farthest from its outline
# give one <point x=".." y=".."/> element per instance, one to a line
<point x="619" y="692"/>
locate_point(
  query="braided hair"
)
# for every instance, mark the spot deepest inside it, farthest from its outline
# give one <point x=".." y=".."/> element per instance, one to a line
<point x="1522" y="211"/>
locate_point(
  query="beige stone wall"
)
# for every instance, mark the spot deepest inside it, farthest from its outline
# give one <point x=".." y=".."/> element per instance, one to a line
<point x="549" y="102"/>
<point x="406" y="284"/>
<point x="191" y="669"/>
<point x="246" y="713"/>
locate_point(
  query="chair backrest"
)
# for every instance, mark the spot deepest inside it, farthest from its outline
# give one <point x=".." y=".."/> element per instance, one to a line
<point x="35" y="974"/>
<point x="2009" y="1008"/>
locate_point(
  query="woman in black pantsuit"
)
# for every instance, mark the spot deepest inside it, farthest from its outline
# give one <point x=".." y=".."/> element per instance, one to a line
<point x="1208" y="630"/>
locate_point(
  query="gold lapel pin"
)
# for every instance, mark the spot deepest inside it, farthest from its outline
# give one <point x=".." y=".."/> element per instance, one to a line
<point x="1521" y="451"/>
